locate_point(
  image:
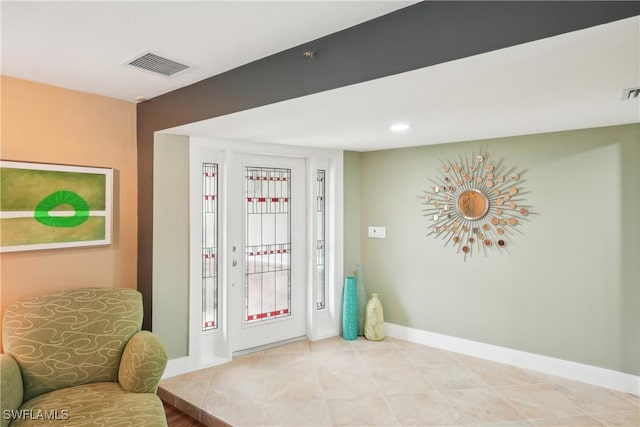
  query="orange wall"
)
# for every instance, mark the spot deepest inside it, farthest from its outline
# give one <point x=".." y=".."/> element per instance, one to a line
<point x="42" y="123"/>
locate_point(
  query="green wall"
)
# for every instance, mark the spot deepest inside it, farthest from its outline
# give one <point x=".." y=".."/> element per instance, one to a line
<point x="171" y="243"/>
<point x="351" y="177"/>
<point x="569" y="288"/>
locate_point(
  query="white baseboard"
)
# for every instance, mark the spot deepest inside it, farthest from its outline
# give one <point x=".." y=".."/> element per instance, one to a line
<point x="615" y="380"/>
<point x="178" y="366"/>
<point x="183" y="365"/>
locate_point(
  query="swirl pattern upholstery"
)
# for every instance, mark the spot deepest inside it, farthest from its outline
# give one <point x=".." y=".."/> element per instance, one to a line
<point x="82" y="360"/>
<point x="142" y="364"/>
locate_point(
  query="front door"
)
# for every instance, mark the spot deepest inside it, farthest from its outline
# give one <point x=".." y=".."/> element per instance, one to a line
<point x="266" y="248"/>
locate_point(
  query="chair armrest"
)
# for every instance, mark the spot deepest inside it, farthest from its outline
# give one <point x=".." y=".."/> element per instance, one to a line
<point x="142" y="364"/>
<point x="11" y="387"/>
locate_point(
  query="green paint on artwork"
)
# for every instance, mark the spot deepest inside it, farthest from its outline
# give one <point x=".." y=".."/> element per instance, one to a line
<point x="59" y="198"/>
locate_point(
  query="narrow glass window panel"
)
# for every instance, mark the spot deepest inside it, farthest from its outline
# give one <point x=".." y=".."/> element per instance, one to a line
<point x="209" y="246"/>
<point x="267" y="284"/>
<point x="320" y="244"/>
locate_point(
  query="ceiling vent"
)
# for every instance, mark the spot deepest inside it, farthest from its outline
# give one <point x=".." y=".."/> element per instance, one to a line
<point x="158" y="65"/>
<point x="631" y="93"/>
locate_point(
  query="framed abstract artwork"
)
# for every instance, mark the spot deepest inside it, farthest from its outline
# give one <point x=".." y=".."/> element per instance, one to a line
<point x="47" y="206"/>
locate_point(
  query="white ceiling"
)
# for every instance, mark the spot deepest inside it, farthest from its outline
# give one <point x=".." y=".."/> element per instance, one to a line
<point x="565" y="82"/>
<point x="82" y="45"/>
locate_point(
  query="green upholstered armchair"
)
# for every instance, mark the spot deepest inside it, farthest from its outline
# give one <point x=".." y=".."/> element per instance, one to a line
<point x="78" y="358"/>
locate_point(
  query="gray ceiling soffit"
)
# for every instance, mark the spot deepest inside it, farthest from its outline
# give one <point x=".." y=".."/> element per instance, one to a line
<point x="417" y="36"/>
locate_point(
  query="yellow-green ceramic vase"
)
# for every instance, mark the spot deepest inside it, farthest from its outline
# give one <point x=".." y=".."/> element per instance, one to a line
<point x="374" y="320"/>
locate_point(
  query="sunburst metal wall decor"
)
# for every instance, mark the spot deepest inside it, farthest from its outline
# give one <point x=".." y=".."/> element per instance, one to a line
<point x="476" y="204"/>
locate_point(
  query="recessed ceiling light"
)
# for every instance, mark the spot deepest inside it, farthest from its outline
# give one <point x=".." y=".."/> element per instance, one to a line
<point x="399" y="127"/>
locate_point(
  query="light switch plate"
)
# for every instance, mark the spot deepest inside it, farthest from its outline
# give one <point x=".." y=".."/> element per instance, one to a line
<point x="377" y="232"/>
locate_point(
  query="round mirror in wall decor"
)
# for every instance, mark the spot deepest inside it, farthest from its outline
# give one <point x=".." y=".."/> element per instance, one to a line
<point x="476" y="204"/>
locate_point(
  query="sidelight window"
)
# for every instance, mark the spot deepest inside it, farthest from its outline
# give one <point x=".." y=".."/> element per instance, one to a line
<point x="209" y="246"/>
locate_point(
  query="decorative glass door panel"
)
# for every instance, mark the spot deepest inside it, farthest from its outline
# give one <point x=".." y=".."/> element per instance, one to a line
<point x="267" y="231"/>
<point x="267" y="281"/>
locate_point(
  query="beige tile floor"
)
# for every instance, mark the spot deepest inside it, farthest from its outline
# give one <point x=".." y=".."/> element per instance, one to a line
<point x="389" y="383"/>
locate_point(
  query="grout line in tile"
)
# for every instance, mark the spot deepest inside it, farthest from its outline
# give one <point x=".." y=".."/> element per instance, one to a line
<point x="594" y="414"/>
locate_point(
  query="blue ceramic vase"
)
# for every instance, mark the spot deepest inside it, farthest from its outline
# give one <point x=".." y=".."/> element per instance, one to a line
<point x="350" y="310"/>
<point x="362" y="297"/>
